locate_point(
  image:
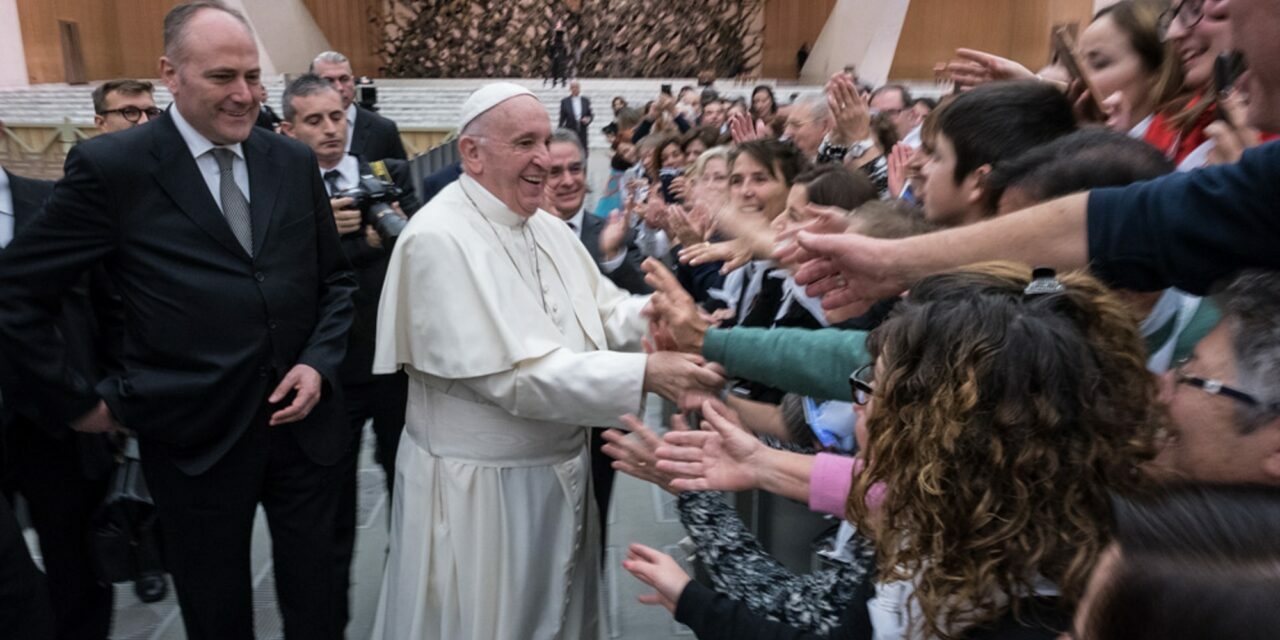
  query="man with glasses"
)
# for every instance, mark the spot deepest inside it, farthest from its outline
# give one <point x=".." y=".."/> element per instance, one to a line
<point x="1224" y="401"/>
<point x="123" y="104"/>
<point x="894" y="101"/>
<point x="809" y="122"/>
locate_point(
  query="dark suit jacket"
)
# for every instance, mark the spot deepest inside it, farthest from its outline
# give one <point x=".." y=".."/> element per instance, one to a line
<point x="573" y="124"/>
<point x="629" y="275"/>
<point x="432" y="184"/>
<point x="370" y="265"/>
<point x="209" y="330"/>
<point x="267" y="118"/>
<point x="375" y="137"/>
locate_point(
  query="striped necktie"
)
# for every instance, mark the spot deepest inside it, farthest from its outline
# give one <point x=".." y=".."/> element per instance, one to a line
<point x="234" y="205"/>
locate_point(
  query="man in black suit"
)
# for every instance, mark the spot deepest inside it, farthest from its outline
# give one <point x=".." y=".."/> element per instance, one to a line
<point x="63" y="475"/>
<point x="575" y="113"/>
<point x="314" y="115"/>
<point x="237" y="298"/>
<point x="433" y="183"/>
<point x="369" y="135"/>
<point x="566" y="187"/>
<point x="267" y="118"/>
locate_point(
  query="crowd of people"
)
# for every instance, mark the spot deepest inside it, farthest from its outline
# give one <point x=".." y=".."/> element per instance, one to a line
<point x="1022" y="341"/>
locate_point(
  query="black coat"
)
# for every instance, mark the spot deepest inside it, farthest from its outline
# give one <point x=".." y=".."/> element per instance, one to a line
<point x="208" y="330"/>
<point x="370" y="264"/>
<point x="375" y="137"/>
<point x="629" y="276"/>
<point x="571" y="123"/>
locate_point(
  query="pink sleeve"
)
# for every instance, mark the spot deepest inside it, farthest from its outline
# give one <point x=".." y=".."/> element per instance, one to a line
<point x="829" y="484"/>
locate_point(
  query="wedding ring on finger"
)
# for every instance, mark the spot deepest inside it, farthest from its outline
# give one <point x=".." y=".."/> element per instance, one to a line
<point x="840" y="281"/>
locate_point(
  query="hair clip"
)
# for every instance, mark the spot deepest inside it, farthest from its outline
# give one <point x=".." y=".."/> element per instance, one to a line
<point x="1044" y="280"/>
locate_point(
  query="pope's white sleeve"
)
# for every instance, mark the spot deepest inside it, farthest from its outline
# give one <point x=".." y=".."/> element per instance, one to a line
<point x="620" y="314"/>
<point x="590" y="389"/>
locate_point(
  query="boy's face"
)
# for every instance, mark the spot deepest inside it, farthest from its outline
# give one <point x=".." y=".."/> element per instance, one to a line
<point x="947" y="202"/>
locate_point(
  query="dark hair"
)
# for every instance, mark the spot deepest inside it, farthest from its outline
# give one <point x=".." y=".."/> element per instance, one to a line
<point x="775" y="156"/>
<point x="175" y="24"/>
<point x="885" y="131"/>
<point x="1193" y="562"/>
<point x="998" y="121"/>
<point x="1250" y="305"/>
<point x="128" y="87"/>
<point x="904" y="92"/>
<point x="1087" y="159"/>
<point x="710" y="136"/>
<point x="928" y="102"/>
<point x="890" y="219"/>
<point x="307" y="84"/>
<point x="655" y="161"/>
<point x="773" y="102"/>
<point x="1002" y="422"/>
<point x="833" y="185"/>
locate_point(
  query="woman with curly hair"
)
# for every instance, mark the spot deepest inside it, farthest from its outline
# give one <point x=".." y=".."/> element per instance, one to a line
<point x="994" y="428"/>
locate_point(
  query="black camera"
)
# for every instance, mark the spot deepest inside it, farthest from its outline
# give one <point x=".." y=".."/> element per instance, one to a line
<point x="374" y="197"/>
<point x="366" y="93"/>
<point x="666" y="177"/>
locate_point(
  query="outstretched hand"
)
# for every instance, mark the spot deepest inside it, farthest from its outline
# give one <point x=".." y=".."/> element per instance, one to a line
<point x="659" y="571"/>
<point x="633" y="453"/>
<point x="971" y="68"/>
<point x="720" y="457"/>
<point x="847" y="268"/>
<point x="675" y="317"/>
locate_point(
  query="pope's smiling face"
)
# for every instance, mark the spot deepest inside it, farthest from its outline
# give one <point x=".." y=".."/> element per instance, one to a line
<point x="508" y="155"/>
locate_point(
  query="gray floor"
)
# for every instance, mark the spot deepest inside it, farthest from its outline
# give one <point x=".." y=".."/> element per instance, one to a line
<point x="640" y="512"/>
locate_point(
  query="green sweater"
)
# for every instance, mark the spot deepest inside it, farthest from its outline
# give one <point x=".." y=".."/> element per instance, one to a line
<point x="809" y="362"/>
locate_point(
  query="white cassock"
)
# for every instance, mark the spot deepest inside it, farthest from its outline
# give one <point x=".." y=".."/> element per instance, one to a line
<point x="510" y="337"/>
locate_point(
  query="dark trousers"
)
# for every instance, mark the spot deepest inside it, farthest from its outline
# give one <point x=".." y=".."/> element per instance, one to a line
<point x="383" y="399"/>
<point x="208" y="524"/>
<point x="602" y="473"/>
<point x="24" y="597"/>
<point x="50" y="473"/>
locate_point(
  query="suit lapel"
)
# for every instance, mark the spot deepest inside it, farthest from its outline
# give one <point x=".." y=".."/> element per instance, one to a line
<point x="180" y="178"/>
<point x="264" y="184"/>
<point x="360" y="132"/>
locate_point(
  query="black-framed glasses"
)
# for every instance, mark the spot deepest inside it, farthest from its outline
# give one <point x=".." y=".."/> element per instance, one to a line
<point x="1217" y="388"/>
<point x="133" y="114"/>
<point x="1187" y="13"/>
<point x="862" y="383"/>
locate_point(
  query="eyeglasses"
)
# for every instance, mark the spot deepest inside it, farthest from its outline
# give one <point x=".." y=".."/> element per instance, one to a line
<point x="133" y="114"/>
<point x="1187" y="14"/>
<point x="862" y="382"/>
<point x="1217" y="388"/>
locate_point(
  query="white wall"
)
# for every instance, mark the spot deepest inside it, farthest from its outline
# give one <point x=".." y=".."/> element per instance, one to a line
<point x="13" y="59"/>
<point x="296" y="38"/>
<point x="863" y="33"/>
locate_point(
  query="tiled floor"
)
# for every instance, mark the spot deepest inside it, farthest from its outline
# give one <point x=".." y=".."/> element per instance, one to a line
<point x="640" y="512"/>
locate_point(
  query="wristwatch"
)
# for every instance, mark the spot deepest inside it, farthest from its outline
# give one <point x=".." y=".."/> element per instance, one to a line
<point x="861" y="147"/>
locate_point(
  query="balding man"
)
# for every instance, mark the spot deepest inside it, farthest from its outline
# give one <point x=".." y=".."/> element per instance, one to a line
<point x="219" y="238"/>
<point x="512" y="341"/>
<point x="369" y="135"/>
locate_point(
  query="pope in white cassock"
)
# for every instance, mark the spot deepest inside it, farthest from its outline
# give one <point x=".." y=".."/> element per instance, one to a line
<point x="512" y="341"/>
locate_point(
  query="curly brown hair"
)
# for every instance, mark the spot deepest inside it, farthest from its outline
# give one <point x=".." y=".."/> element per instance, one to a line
<point x="1002" y="424"/>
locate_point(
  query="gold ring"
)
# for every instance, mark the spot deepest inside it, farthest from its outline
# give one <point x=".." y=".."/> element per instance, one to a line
<point x="641" y="464"/>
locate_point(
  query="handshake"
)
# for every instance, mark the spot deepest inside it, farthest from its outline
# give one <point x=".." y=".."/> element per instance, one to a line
<point x="676" y="369"/>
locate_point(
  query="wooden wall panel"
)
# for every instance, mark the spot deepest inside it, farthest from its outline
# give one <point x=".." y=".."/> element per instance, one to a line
<point x="787" y="25"/>
<point x="120" y="38"/>
<point x="1017" y="29"/>
<point x="346" y="25"/>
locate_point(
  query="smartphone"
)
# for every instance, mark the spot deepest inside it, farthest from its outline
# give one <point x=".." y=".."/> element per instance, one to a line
<point x="666" y="90"/>
<point x="666" y="177"/>
<point x="1065" y="50"/>
<point x="1227" y="69"/>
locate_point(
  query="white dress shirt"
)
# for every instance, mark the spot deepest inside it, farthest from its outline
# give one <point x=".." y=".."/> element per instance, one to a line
<point x="201" y="149"/>
<point x="7" y="219"/>
<point x="351" y="124"/>
<point x="576" y="101"/>
<point x="348" y="172"/>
